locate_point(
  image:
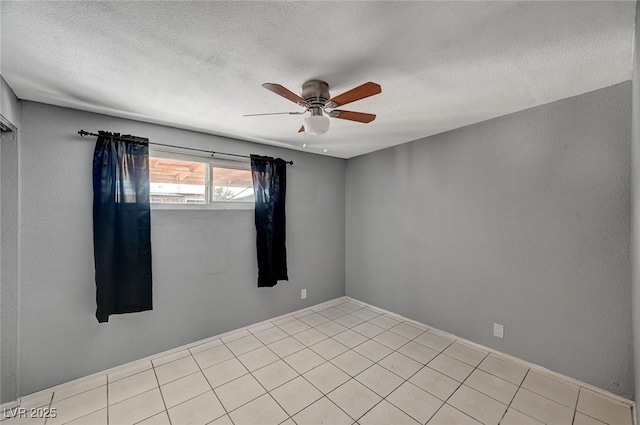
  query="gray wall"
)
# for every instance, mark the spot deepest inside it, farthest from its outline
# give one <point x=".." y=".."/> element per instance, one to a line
<point x="10" y="108"/>
<point x="636" y="209"/>
<point x="9" y="103"/>
<point x="204" y="262"/>
<point x="522" y="220"/>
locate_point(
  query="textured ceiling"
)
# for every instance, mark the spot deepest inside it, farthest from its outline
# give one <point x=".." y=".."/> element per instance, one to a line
<point x="199" y="65"/>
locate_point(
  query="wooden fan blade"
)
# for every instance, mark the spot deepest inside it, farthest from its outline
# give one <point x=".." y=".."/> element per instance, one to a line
<point x="301" y="129"/>
<point x="360" y="92"/>
<point x="284" y="92"/>
<point x="352" y="116"/>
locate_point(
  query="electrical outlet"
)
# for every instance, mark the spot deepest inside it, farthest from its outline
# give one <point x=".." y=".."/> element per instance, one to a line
<point x="498" y="330"/>
<point x="303" y="294"/>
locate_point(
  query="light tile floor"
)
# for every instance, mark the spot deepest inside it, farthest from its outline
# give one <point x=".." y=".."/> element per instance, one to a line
<point x="340" y="363"/>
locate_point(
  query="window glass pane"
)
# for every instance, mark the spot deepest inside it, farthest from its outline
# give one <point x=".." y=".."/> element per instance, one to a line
<point x="230" y="184"/>
<point x="177" y="182"/>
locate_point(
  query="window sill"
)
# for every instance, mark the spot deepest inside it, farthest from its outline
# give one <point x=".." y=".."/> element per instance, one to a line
<point x="214" y="206"/>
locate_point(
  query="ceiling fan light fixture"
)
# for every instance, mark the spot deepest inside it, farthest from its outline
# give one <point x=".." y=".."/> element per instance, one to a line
<point x="316" y="124"/>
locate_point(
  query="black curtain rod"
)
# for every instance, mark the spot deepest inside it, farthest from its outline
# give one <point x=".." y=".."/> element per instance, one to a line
<point x="137" y="140"/>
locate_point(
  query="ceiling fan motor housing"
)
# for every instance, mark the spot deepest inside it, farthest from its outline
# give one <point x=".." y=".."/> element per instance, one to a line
<point x="316" y="93"/>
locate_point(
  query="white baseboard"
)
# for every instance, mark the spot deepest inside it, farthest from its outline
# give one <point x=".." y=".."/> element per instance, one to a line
<point x="62" y="386"/>
<point x="9" y="405"/>
<point x="516" y="360"/>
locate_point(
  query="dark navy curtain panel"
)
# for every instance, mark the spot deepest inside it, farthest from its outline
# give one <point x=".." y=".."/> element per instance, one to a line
<point x="269" y="186"/>
<point x="121" y="225"/>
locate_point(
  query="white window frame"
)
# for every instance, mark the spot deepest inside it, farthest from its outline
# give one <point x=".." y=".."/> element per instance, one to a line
<point x="237" y="164"/>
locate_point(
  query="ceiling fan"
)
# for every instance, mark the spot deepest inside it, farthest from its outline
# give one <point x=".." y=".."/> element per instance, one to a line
<point x="317" y="102"/>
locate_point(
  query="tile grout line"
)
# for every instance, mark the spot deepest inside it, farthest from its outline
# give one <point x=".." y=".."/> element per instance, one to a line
<point x="128" y="398"/>
<point x="136" y="395"/>
<point x="377" y="363"/>
<point x="344" y="383"/>
<point x="552" y="400"/>
<point x="89" y="413"/>
<point x="225" y="344"/>
<point x="226" y="413"/>
<point x="392" y="391"/>
<point x="159" y="388"/>
<point x="626" y="403"/>
<point x="513" y="398"/>
<point x="327" y="337"/>
<point x="236" y="358"/>
<point x="260" y="383"/>
<point x="248" y="372"/>
<point x="137" y="373"/>
<point x="359" y="305"/>
<point x="350" y="377"/>
<point x="190" y="354"/>
<point x="326" y="395"/>
<point x="575" y="409"/>
<point x="108" y="399"/>
<point x="86" y="414"/>
<point x="580" y="388"/>
<point x="153" y="367"/>
<point x="81" y="392"/>
<point x="329" y="361"/>
<point x="477" y="367"/>
<point x="457" y="388"/>
<point x="323" y="395"/>
<point x="49" y="405"/>
<point x="516" y="393"/>
<point x="405" y="380"/>
<point x="496" y="376"/>
<point x="488" y="373"/>
<point x="200" y="370"/>
<point x="299" y="375"/>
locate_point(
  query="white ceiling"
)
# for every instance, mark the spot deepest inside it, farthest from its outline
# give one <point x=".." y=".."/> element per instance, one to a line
<point x="199" y="65"/>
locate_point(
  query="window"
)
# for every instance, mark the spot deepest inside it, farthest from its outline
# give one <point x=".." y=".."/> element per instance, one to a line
<point x="192" y="181"/>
